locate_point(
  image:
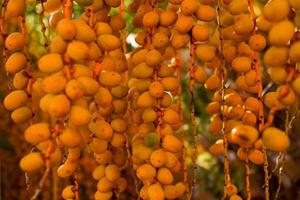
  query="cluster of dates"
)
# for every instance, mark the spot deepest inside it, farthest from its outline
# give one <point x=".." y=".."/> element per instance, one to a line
<point x="87" y="92"/>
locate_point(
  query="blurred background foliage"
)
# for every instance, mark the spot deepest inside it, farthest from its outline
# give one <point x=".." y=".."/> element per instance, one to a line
<point x="210" y="175"/>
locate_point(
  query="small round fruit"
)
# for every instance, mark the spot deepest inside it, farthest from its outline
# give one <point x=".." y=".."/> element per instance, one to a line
<point x="112" y="172"/>
<point x="32" y="162"/>
<point x="275" y="140"/>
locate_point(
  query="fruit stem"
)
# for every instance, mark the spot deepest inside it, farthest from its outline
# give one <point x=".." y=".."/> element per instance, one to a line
<point x="44" y="28"/>
<point x="76" y="188"/>
<point x="192" y="114"/>
<point x="261" y="125"/>
<point x="222" y="91"/>
<point x="247" y="173"/>
<point x="67" y="8"/>
<point x="47" y="155"/>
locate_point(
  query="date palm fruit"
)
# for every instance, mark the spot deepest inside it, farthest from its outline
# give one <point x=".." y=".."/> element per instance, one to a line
<point x="250" y="78"/>
<point x="276" y="10"/>
<point x="174" y="191"/>
<point x="77" y="50"/>
<point x="15" y="63"/>
<point x="142" y="71"/>
<point x="70" y="138"/>
<point x="98" y="145"/>
<point x="256" y="156"/>
<point x="84" y="32"/>
<point x="108" y="42"/>
<point x="32" y="162"/>
<point x="52" y="5"/>
<point x="281" y="33"/>
<point x="206" y="13"/>
<point x="50" y="63"/>
<point x="58" y="45"/>
<point x="101" y="129"/>
<point x="37" y="133"/>
<point x="164" y="176"/>
<point x="104" y="185"/>
<point x="237" y="7"/>
<point x="74" y="89"/>
<point x="110" y="78"/>
<point x="150" y="19"/>
<point x="54" y="84"/>
<point x="205" y="52"/>
<point x="281" y="53"/>
<point x="146" y="172"/>
<point x="158" y="158"/>
<point x="257" y="42"/>
<point x="103" y="195"/>
<point x="231" y="189"/>
<point x="15" y="99"/>
<point x="170" y="83"/>
<point x="275" y="140"/>
<point x="287" y="95"/>
<point x="66" y="29"/>
<point x="200" y="32"/>
<point x="178" y="40"/>
<point x="145" y="100"/>
<point x="155" y="192"/>
<point x="294" y="52"/>
<point x="79" y="116"/>
<point x="118" y="140"/>
<point x="296" y="85"/>
<point x="21" y="114"/>
<point x="200" y="75"/>
<point x="141" y="152"/>
<point x="271" y="100"/>
<point x="244" y="135"/>
<point x="241" y="153"/>
<point x="263" y="24"/>
<point x="66" y="169"/>
<point x="16" y="8"/>
<point x="278" y="75"/>
<point x="153" y="57"/>
<point x="217" y="148"/>
<point x="184" y="24"/>
<point x="213" y="108"/>
<point x="152" y="140"/>
<point x="68" y="192"/>
<point x="121" y="184"/>
<point x="90" y="85"/>
<point x="149" y="115"/>
<point x="59" y="106"/>
<point x="167" y="18"/>
<point x="241" y="64"/>
<point x="88" y="90"/>
<point x="99" y="172"/>
<point x="104" y="158"/>
<point x="244" y="25"/>
<point x="172" y="143"/>
<point x="20" y="80"/>
<point x="235" y="197"/>
<point x="233" y="99"/>
<point x="112" y="172"/>
<point x="252" y="104"/>
<point x="295" y="4"/>
<point x="212" y="82"/>
<point x="188" y="7"/>
<point x="118" y="125"/>
<point x="15" y="41"/>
